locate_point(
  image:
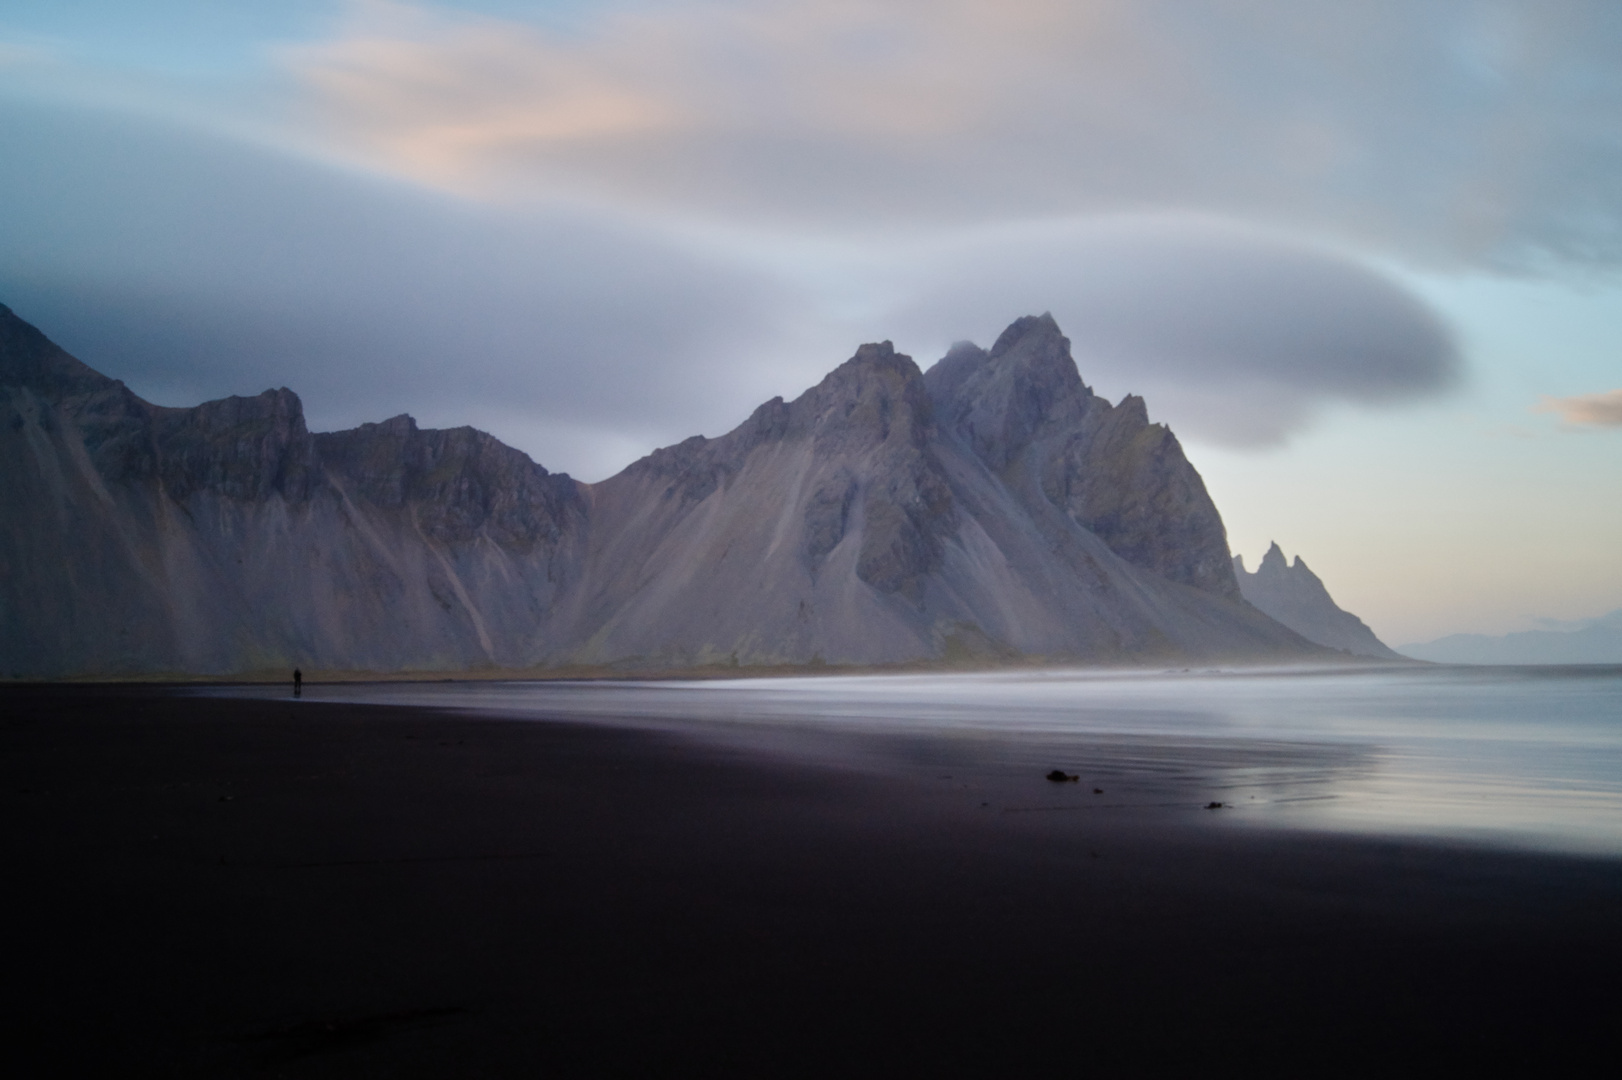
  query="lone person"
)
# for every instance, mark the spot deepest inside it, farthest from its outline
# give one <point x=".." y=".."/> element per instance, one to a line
<point x="298" y="683"/>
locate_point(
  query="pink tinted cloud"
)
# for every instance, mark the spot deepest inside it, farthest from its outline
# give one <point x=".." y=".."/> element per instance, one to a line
<point x="1476" y="133"/>
<point x="1587" y="410"/>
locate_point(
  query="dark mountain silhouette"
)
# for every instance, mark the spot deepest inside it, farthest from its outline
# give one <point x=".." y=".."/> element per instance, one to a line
<point x="990" y="509"/>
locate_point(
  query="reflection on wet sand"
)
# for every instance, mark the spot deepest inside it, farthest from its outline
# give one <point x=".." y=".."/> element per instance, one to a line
<point x="1524" y="757"/>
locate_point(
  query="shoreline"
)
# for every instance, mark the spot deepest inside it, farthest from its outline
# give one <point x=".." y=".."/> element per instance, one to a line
<point x="233" y="887"/>
<point x="709" y="672"/>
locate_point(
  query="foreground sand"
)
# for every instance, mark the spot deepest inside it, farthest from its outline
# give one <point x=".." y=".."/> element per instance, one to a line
<point x="220" y="888"/>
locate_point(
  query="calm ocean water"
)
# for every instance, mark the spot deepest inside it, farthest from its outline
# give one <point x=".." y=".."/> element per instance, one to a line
<point x="1524" y="757"/>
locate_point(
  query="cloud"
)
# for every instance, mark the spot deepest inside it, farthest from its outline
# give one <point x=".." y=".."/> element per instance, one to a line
<point x="1471" y="134"/>
<point x="1232" y="335"/>
<point x="1587" y="410"/>
<point x="193" y="267"/>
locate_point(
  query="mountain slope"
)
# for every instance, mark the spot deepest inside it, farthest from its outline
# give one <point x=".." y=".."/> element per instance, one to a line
<point x="1023" y="410"/>
<point x="1296" y="597"/>
<point x="220" y="539"/>
<point x="992" y="508"/>
<point x="848" y="527"/>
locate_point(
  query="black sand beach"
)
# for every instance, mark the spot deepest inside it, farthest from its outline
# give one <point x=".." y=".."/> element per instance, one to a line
<point x="212" y="887"/>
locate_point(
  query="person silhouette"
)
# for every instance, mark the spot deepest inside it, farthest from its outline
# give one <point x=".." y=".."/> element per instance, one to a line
<point x="298" y="683"/>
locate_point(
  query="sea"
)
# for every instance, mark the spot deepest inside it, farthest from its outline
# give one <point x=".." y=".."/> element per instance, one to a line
<point x="1519" y="757"/>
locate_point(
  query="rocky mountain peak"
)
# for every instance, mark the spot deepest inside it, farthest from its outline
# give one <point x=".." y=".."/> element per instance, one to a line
<point x="459" y="483"/>
<point x="1296" y="597"/>
<point x="873" y="363"/>
<point x="876" y="395"/>
<point x="875" y="413"/>
<point x="1037" y="354"/>
<point x="1000" y="402"/>
<point x="241" y="447"/>
<point x="947" y="376"/>
<point x="875" y="352"/>
<point x="28" y="358"/>
<point x="1024" y="411"/>
<point x="1133" y="410"/>
<point x="1037" y="330"/>
<point x="399" y="427"/>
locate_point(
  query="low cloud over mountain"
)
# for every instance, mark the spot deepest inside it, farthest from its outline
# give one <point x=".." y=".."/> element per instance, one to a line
<point x="193" y="266"/>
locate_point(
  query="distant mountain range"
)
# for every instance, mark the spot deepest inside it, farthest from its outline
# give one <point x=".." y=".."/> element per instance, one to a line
<point x="1296" y="597"/>
<point x="992" y="508"/>
<point x="1590" y="641"/>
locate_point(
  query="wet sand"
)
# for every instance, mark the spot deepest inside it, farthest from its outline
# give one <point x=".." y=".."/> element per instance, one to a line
<point x="218" y="887"/>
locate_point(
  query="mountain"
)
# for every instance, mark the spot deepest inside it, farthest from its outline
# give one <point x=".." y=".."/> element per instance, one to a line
<point x="992" y="508"/>
<point x="1296" y="597"/>
<point x="1594" y="641"/>
<point x="227" y="538"/>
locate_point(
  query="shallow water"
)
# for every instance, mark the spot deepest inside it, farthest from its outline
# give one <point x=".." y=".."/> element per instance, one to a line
<point x="1522" y="757"/>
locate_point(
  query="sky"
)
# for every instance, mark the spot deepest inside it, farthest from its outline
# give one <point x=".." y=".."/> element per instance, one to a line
<point x="1364" y="258"/>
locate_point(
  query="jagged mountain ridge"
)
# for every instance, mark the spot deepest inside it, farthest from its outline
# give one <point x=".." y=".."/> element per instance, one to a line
<point x="994" y="507"/>
<point x="227" y="537"/>
<point x="1296" y="597"/>
<point x="1025" y="412"/>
